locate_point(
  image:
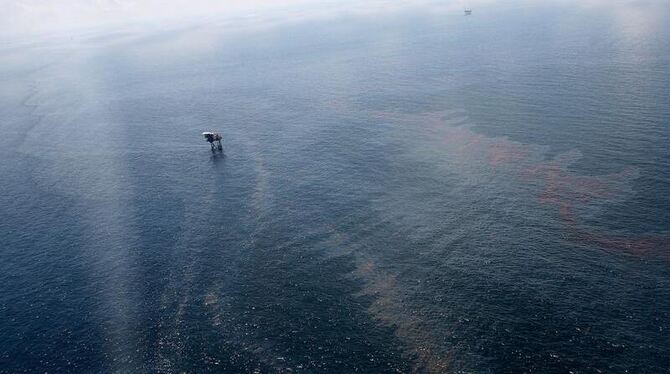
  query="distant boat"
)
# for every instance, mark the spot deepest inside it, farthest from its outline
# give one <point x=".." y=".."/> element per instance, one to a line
<point x="468" y="12"/>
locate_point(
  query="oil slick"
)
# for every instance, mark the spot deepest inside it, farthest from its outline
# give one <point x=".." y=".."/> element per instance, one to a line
<point x="391" y="308"/>
<point x="480" y="160"/>
<point x="554" y="183"/>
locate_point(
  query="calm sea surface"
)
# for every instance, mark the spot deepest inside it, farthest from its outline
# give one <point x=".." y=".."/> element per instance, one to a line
<point x="407" y="191"/>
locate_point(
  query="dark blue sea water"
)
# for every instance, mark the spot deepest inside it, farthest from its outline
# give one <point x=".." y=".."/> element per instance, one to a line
<point x="403" y="191"/>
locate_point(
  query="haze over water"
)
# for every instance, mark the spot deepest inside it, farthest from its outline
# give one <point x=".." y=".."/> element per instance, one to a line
<point x="401" y="190"/>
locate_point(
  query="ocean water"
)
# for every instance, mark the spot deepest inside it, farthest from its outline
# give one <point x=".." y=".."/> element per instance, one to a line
<point x="402" y="191"/>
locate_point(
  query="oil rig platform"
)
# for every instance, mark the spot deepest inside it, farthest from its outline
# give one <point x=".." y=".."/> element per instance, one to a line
<point x="214" y="140"/>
